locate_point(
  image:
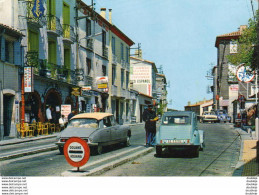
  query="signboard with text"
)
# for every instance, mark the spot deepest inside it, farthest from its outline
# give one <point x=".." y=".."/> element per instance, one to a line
<point x="102" y="83"/>
<point x="65" y="109"/>
<point x="28" y="79"/>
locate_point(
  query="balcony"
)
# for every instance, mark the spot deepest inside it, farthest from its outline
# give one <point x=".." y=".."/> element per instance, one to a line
<point x="114" y="59"/>
<point x="69" y="33"/>
<point x="114" y="90"/>
<point x="89" y="44"/>
<point x="88" y="81"/>
<point x="53" y="25"/>
<point x="38" y="22"/>
<point x="105" y="52"/>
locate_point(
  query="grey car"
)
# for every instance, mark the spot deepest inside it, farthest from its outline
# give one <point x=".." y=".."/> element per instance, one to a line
<point x="97" y="129"/>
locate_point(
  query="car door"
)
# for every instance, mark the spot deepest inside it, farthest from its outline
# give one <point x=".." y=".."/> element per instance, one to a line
<point x="105" y="132"/>
<point x="115" y="133"/>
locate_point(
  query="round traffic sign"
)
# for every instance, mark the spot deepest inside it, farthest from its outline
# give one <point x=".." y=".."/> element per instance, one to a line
<point x="76" y="151"/>
<point x="244" y="73"/>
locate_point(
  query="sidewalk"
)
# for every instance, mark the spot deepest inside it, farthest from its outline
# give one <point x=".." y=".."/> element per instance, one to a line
<point x="247" y="161"/>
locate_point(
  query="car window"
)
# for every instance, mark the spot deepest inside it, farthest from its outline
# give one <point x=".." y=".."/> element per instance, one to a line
<point x="107" y="122"/>
<point x="176" y="120"/>
<point x="83" y="122"/>
<point x="113" y="121"/>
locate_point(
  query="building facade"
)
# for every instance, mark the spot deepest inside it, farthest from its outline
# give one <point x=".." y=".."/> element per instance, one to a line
<point x="10" y="79"/>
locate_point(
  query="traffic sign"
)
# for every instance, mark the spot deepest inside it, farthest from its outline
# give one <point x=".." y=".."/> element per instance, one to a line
<point x="76" y="151"/>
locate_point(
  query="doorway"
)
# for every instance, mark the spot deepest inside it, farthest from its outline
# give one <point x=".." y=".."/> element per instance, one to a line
<point x="8" y="112"/>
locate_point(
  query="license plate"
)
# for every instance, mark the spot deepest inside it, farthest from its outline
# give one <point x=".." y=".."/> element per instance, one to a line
<point x="173" y="141"/>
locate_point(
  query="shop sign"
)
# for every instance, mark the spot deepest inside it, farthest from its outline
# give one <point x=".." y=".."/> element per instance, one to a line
<point x="75" y="91"/>
<point x="65" y="109"/>
<point x="28" y="79"/>
<point x="234" y="87"/>
<point x="38" y="8"/>
<point x="102" y="83"/>
<point x="86" y="91"/>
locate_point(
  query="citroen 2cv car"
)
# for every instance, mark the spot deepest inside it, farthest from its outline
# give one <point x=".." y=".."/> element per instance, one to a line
<point x="97" y="129"/>
<point x="178" y="130"/>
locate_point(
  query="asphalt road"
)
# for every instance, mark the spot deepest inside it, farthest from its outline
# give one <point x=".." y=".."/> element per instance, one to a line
<point x="218" y="158"/>
<point x="53" y="163"/>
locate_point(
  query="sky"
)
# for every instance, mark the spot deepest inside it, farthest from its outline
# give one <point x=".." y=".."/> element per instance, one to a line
<point x="180" y="35"/>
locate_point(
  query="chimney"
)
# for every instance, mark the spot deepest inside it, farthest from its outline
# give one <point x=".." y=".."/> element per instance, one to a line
<point x="189" y="103"/>
<point x="110" y="16"/>
<point x="242" y="28"/>
<point x="103" y="12"/>
<point x="138" y="53"/>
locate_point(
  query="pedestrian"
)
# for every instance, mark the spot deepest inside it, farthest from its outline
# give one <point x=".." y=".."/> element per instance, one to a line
<point x="71" y="115"/>
<point x="54" y="116"/>
<point x="62" y="122"/>
<point x="48" y="114"/>
<point x="149" y="116"/>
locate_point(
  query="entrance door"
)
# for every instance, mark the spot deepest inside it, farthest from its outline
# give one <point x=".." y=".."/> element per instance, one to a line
<point x="8" y="111"/>
<point x="117" y="111"/>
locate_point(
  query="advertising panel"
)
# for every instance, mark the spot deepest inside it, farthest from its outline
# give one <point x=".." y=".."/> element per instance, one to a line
<point x="28" y="79"/>
<point x="65" y="110"/>
<point x="102" y="83"/>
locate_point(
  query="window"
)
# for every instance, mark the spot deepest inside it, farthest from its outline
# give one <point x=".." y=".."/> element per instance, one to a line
<point x="107" y="122"/>
<point x="113" y="45"/>
<point x="127" y="54"/>
<point x="9" y="51"/>
<point x="176" y="120"/>
<point x="0" y="48"/>
<point x="104" y="70"/>
<point x="233" y="47"/>
<point x="113" y="74"/>
<point x="88" y="27"/>
<point x="127" y="80"/>
<point x="89" y="65"/>
<point x="122" y="52"/>
<point x="122" y="77"/>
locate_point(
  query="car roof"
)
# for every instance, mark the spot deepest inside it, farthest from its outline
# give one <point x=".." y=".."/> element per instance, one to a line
<point x="94" y="115"/>
<point x="177" y="113"/>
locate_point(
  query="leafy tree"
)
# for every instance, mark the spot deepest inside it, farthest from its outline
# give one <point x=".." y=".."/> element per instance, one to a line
<point x="246" y="45"/>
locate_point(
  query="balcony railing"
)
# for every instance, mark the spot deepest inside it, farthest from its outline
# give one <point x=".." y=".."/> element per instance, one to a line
<point x="105" y="52"/>
<point x="54" y="24"/>
<point x="32" y="59"/>
<point x="69" y="32"/>
<point x="88" y="81"/>
<point x="36" y="21"/>
<point x="114" y="59"/>
<point x="89" y="44"/>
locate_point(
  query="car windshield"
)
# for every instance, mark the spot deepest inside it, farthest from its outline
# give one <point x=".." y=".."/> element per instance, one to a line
<point x="176" y="120"/>
<point x="83" y="122"/>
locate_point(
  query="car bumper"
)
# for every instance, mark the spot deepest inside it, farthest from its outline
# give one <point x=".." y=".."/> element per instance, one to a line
<point x="61" y="144"/>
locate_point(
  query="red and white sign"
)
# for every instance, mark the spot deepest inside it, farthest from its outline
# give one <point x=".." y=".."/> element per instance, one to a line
<point x="65" y="110"/>
<point x="28" y="79"/>
<point x="76" y="151"/>
<point x="234" y="87"/>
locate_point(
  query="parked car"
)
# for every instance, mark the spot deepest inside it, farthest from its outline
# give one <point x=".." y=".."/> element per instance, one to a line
<point x="223" y="116"/>
<point x="178" y="130"/>
<point x="209" y="116"/>
<point x="97" y="129"/>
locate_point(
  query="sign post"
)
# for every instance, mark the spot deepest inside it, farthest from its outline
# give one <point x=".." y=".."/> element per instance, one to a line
<point x="76" y="152"/>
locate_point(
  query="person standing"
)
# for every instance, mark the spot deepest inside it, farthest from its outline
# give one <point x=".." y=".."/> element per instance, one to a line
<point x="150" y="125"/>
<point x="71" y="115"/>
<point x="62" y="122"/>
<point x="48" y="114"/>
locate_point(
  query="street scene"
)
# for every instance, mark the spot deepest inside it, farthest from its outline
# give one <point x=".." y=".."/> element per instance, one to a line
<point x="115" y="89"/>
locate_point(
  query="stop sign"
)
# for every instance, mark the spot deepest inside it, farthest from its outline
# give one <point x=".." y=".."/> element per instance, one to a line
<point x="76" y="151"/>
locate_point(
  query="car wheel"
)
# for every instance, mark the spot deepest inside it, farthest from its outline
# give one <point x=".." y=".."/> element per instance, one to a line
<point x="61" y="150"/>
<point x="127" y="142"/>
<point x="99" y="149"/>
<point x="158" y="150"/>
<point x="195" y="152"/>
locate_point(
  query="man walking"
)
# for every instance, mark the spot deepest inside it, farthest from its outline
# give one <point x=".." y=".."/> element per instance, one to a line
<point x="149" y="116"/>
<point x="48" y="114"/>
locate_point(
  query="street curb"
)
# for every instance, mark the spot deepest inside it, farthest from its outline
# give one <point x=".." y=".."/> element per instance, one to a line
<point x="8" y="157"/>
<point x="107" y="167"/>
<point x="12" y="142"/>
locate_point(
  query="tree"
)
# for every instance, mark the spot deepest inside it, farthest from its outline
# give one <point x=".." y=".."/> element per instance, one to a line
<point x="246" y="45"/>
